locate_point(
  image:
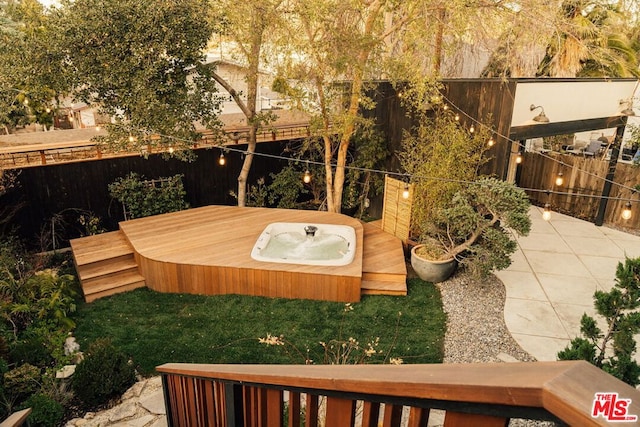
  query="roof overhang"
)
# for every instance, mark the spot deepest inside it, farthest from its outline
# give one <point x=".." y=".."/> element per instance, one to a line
<point x="540" y="130"/>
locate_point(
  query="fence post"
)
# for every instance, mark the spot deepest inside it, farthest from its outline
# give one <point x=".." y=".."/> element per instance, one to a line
<point x="613" y="161"/>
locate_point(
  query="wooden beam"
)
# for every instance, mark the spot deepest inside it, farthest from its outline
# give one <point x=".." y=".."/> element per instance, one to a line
<point x="540" y="130"/>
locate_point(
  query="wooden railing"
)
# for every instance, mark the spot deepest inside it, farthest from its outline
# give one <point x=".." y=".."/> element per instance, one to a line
<point x="480" y="395"/>
<point x="19" y="156"/>
<point x="17" y="419"/>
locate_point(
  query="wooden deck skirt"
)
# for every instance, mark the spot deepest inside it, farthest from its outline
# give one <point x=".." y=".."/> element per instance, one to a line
<point x="207" y="251"/>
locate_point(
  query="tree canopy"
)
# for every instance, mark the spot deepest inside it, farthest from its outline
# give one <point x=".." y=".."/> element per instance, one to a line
<point x="143" y="65"/>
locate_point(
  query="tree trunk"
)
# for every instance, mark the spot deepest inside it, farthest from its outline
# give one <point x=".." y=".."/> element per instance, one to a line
<point x="336" y="189"/>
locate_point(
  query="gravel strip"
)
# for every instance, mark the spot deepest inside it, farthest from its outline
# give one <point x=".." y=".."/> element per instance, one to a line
<point x="475" y="314"/>
<point x="476" y="332"/>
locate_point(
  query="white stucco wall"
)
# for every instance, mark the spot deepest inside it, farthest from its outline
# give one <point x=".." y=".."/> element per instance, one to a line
<point x="570" y="100"/>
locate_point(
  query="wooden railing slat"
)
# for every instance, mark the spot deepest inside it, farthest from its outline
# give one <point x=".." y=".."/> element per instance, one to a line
<point x="392" y="415"/>
<point x="274" y="408"/>
<point x="418" y="417"/>
<point x="294" y="409"/>
<point x="220" y="404"/>
<point x="370" y="414"/>
<point x="311" y="411"/>
<point x="190" y="397"/>
<point x="210" y="397"/>
<point x="340" y="412"/>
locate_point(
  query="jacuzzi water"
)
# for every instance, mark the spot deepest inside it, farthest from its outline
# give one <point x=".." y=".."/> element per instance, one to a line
<point x="287" y="242"/>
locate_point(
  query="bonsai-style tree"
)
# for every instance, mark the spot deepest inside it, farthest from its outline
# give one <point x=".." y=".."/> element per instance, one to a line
<point x="476" y="228"/>
<point x="612" y="350"/>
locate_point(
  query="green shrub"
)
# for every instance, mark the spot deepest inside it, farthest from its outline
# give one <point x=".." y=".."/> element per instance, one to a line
<point x="45" y="411"/>
<point x="22" y="381"/>
<point x="32" y="350"/>
<point x="104" y="373"/>
<point x="142" y="197"/>
<point x="613" y="348"/>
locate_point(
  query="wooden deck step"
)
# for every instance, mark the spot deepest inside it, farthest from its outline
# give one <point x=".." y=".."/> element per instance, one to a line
<point x="109" y="285"/>
<point x="384" y="271"/>
<point x="106" y="265"/>
<point x="91" y="249"/>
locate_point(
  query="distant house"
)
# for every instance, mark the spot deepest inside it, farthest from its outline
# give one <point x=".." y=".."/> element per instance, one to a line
<point x="234" y="73"/>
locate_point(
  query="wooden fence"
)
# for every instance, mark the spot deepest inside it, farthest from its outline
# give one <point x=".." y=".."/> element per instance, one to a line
<point x="581" y="193"/>
<point x="396" y="213"/>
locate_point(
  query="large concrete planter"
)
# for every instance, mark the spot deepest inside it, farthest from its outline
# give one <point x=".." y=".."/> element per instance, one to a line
<point x="432" y="271"/>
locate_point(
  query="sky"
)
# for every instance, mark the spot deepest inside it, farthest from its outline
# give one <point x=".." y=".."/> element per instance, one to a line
<point x="48" y="3"/>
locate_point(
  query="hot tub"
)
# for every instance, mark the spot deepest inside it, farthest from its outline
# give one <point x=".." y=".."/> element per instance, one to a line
<point x="304" y="243"/>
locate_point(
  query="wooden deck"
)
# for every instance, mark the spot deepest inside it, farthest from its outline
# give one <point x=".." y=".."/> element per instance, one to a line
<point x="207" y="251"/>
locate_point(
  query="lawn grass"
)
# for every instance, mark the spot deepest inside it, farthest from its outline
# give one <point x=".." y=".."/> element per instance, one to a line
<point x="155" y="328"/>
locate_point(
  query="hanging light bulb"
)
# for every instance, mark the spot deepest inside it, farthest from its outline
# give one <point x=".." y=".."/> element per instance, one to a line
<point x="546" y="213"/>
<point x="491" y="142"/>
<point x="559" y="179"/>
<point x="405" y="192"/>
<point x="171" y="150"/>
<point x="472" y="129"/>
<point x="626" y="212"/>
<point x="307" y="177"/>
<point x="457" y="117"/>
<point x="519" y="158"/>
<point x="446" y="107"/>
<point x="222" y="160"/>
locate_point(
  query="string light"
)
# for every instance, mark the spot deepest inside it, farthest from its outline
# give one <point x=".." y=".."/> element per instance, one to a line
<point x="307" y="176"/>
<point x="222" y="160"/>
<point x="405" y="192"/>
<point x="132" y="138"/>
<point x="519" y="157"/>
<point x="98" y="128"/>
<point x="626" y="212"/>
<point x="559" y="179"/>
<point x="490" y="143"/>
<point x="171" y="150"/>
<point x="472" y="129"/>
<point x="546" y="213"/>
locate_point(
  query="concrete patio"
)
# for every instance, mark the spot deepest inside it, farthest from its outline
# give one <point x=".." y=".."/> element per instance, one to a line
<point x="554" y="274"/>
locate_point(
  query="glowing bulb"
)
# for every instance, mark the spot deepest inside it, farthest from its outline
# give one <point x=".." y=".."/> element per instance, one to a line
<point x="222" y="160"/>
<point x="490" y="142"/>
<point x="626" y="212"/>
<point x="519" y="158"/>
<point x="446" y="107"/>
<point x="559" y="179"/>
<point x="171" y="150"/>
<point x="457" y="117"/>
<point x="405" y="192"/>
<point x="48" y="110"/>
<point x="132" y="138"/>
<point x="546" y="213"/>
<point x="472" y="129"/>
<point x="307" y="177"/>
<point x="98" y="128"/>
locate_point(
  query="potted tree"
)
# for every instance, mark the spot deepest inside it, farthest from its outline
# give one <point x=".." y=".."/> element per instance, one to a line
<point x="475" y="229"/>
